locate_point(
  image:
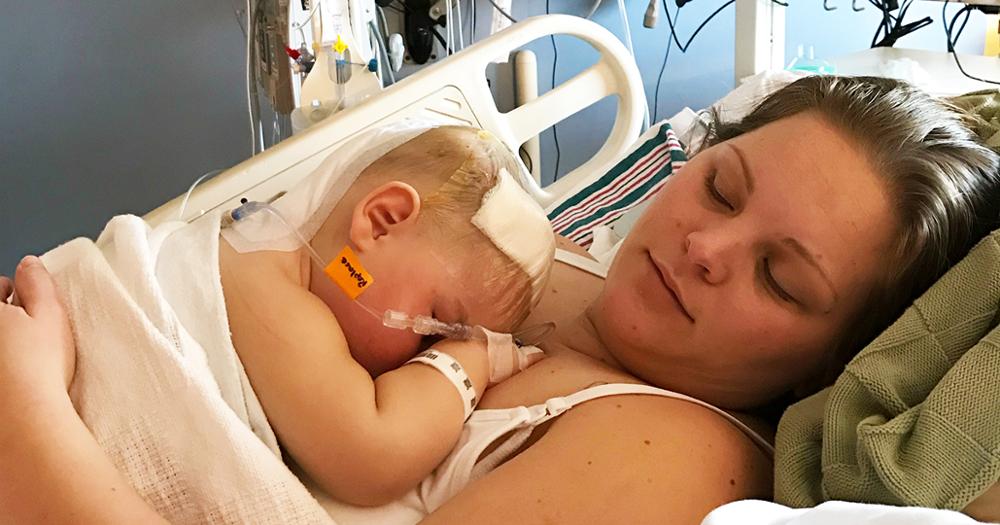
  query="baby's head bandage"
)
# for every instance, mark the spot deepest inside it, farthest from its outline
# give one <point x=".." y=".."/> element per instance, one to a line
<point x="518" y="227"/>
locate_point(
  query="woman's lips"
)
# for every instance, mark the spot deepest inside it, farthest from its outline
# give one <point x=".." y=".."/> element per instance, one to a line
<point x="671" y="286"/>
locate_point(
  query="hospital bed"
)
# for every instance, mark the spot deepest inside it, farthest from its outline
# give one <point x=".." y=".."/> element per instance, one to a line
<point x="454" y="91"/>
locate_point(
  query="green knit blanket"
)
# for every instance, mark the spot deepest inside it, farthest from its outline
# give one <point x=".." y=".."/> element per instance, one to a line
<point x="915" y="417"/>
<point x="983" y="108"/>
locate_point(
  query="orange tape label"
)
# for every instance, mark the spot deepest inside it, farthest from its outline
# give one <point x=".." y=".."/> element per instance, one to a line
<point x="347" y="272"/>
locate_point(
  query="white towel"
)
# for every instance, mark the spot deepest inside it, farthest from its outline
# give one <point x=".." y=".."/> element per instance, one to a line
<point x="754" y="512"/>
<point x="152" y="338"/>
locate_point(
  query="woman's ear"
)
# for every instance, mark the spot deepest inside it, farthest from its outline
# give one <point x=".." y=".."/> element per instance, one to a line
<point x="387" y="210"/>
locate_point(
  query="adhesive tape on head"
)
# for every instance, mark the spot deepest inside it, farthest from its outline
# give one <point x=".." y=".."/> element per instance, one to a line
<point x="518" y="227"/>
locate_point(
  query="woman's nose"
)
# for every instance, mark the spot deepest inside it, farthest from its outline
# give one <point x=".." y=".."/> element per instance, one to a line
<point x="711" y="254"/>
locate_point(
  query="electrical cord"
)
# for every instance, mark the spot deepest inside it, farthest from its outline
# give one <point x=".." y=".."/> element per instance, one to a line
<point x="967" y="10"/>
<point x="187" y="196"/>
<point x="298" y="25"/>
<point x="892" y="27"/>
<point x="680" y="3"/>
<point x="441" y="40"/>
<point x="383" y="55"/>
<point x="459" y="25"/>
<point x="505" y="13"/>
<point x="663" y="67"/>
<point x="239" y="19"/>
<point x="450" y="26"/>
<point x="673" y="30"/>
<point x="472" y="36"/>
<point x="249" y="79"/>
<point x="384" y="24"/>
<point x="555" y="61"/>
<point x="527" y="158"/>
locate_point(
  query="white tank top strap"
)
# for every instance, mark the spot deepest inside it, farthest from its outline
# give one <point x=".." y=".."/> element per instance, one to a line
<point x="558" y="405"/>
<point x="582" y="263"/>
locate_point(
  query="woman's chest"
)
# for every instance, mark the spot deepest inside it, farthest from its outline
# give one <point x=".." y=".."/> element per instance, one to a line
<point x="559" y="375"/>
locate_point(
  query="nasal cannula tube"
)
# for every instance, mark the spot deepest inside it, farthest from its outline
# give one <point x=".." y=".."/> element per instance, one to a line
<point x="420" y="324"/>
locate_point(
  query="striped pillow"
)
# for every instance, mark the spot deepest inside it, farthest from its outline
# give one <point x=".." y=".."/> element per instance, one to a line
<point x="632" y="181"/>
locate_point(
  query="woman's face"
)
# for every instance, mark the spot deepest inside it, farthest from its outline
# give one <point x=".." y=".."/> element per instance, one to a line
<point x="742" y="272"/>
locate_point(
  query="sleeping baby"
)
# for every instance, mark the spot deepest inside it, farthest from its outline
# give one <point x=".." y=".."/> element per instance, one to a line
<point x="214" y="355"/>
<point x="437" y="229"/>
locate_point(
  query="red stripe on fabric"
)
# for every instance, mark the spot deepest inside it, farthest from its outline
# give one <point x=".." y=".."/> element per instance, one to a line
<point x="617" y="213"/>
<point x="579" y="234"/>
<point x="584" y="236"/>
<point x="587" y="205"/>
<point x="640" y="170"/>
<point x="610" y="216"/>
<point x="576" y="212"/>
<point x="569" y="215"/>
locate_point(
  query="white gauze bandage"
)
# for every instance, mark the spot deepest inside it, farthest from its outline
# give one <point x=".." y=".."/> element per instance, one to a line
<point x="518" y="227"/>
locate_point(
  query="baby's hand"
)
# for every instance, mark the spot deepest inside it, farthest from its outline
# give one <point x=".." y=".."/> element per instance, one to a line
<point x="506" y="357"/>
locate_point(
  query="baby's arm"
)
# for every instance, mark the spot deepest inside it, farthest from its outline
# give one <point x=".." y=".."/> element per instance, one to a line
<point x="365" y="442"/>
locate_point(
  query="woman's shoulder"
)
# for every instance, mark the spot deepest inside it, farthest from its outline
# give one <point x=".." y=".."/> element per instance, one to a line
<point x="644" y="434"/>
<point x="685" y="423"/>
<point x="623" y="458"/>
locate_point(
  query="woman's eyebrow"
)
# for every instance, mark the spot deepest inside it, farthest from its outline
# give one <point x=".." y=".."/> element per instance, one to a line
<point x="797" y="247"/>
<point x="748" y="177"/>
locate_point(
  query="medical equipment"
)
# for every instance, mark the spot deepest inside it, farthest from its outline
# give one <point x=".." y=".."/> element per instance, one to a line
<point x="451" y="91"/>
<point x="809" y="64"/>
<point x="652" y="13"/>
<point x="760" y="45"/>
<point x="949" y="28"/>
<point x="338" y="55"/>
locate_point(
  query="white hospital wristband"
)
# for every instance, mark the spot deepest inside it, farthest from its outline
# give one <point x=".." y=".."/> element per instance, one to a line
<point x="452" y="370"/>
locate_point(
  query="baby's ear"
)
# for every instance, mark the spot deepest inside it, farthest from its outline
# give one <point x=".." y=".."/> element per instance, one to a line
<point x="390" y="209"/>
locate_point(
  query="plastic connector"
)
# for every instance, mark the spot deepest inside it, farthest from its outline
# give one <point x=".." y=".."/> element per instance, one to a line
<point x="652" y="13"/>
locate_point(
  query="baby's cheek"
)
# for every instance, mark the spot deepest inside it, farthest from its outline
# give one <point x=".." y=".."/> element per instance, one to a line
<point x="388" y="351"/>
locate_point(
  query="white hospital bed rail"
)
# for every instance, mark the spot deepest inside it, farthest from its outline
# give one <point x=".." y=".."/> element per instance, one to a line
<point x="454" y="89"/>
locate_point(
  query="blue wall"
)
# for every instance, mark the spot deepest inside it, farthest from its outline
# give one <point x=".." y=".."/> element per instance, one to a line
<point x="107" y="107"/>
<point x="696" y="78"/>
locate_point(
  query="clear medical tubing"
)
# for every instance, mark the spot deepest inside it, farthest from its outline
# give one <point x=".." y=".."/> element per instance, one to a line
<point x="420" y="324"/>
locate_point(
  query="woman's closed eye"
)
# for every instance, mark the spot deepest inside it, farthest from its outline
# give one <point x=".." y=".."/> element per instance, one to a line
<point x="772" y="283"/>
<point x="712" y="187"/>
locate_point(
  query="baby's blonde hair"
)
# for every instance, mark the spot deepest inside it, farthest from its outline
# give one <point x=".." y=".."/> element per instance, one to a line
<point x="452" y="168"/>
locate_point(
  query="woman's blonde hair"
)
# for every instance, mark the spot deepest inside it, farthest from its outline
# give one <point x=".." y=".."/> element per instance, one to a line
<point x="942" y="179"/>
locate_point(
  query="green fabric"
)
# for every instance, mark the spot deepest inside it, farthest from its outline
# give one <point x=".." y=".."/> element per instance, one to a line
<point x="915" y="417"/>
<point x="984" y="110"/>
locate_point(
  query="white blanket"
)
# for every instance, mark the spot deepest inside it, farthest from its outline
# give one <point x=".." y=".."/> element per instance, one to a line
<point x="754" y="512"/>
<point x="158" y="382"/>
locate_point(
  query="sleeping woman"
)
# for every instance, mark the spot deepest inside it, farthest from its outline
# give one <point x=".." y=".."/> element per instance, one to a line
<point x="785" y="244"/>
